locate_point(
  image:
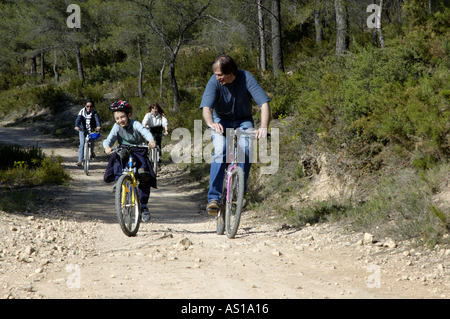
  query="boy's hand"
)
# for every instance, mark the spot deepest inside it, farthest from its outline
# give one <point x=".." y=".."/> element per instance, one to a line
<point x="151" y="144"/>
<point x="108" y="150"/>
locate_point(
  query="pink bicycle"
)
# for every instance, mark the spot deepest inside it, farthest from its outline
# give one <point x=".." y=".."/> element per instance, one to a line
<point x="232" y="190"/>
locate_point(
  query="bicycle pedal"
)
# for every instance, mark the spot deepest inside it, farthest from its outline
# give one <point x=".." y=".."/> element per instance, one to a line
<point x="213" y="212"/>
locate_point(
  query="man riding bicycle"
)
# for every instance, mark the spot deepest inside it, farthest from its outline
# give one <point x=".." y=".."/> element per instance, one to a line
<point x="227" y="103"/>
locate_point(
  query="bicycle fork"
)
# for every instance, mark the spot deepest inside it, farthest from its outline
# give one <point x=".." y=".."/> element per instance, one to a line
<point x="129" y="189"/>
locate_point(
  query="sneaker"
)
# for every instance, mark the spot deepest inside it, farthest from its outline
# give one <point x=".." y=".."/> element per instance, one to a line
<point x="213" y="207"/>
<point x="145" y="214"/>
<point x="80" y="163"/>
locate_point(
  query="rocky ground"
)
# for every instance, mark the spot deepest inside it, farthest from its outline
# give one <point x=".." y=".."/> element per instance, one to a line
<point x="69" y="245"/>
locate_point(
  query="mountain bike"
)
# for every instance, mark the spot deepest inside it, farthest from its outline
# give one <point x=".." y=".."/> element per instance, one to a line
<point x="232" y="198"/>
<point x="128" y="206"/>
<point x="87" y="152"/>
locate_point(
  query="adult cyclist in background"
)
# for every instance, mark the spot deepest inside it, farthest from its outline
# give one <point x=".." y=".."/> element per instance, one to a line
<point x="155" y="120"/>
<point x="87" y="121"/>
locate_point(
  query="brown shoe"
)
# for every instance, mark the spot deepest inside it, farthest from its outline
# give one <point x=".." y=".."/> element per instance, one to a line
<point x="213" y="208"/>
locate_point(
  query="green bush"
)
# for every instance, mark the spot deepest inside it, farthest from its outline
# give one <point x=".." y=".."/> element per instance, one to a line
<point x="50" y="97"/>
<point x="10" y="154"/>
<point x="29" y="166"/>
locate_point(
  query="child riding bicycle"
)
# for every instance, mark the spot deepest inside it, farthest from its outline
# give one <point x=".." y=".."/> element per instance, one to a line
<point x="130" y="132"/>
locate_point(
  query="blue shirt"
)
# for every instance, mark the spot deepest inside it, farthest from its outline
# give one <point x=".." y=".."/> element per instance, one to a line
<point x="233" y="101"/>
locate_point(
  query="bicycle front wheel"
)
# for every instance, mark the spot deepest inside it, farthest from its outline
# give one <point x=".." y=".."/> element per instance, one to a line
<point x="221" y="216"/>
<point x="234" y="202"/>
<point x="127" y="206"/>
<point x="87" y="157"/>
<point x="154" y="159"/>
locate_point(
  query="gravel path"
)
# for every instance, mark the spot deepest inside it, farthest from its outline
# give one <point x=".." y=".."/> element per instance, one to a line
<point x="72" y="247"/>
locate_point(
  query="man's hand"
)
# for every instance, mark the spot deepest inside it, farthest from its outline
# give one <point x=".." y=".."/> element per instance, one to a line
<point x="151" y="144"/>
<point x="108" y="150"/>
<point x="77" y="128"/>
<point x="207" y="116"/>
<point x="217" y="128"/>
<point x="261" y="133"/>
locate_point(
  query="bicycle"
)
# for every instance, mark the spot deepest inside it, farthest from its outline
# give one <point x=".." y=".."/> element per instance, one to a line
<point x="87" y="152"/>
<point x="128" y="206"/>
<point x="232" y="198"/>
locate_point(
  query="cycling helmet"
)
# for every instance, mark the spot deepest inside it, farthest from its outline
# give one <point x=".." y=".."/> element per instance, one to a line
<point x="120" y="106"/>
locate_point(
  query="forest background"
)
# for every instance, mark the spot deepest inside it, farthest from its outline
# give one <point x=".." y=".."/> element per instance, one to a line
<point x="360" y="89"/>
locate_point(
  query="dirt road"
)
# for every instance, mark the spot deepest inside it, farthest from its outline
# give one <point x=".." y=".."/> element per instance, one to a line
<point x="74" y="248"/>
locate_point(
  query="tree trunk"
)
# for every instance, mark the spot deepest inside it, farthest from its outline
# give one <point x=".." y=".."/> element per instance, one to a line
<point x="55" y="68"/>
<point x="277" y="51"/>
<point x="340" y="8"/>
<point x="161" y="73"/>
<point x="374" y="31"/>
<point x="174" y="85"/>
<point x="262" y="41"/>
<point x="318" y="23"/>
<point x="375" y="37"/>
<point x="42" y="67"/>
<point x="379" y="29"/>
<point x="79" y="62"/>
<point x="33" y="65"/>
<point x="141" y="70"/>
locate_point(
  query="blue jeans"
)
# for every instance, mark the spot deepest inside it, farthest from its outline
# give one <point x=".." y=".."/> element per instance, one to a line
<point x="220" y="156"/>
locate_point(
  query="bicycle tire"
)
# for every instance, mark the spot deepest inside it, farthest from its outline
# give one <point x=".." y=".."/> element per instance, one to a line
<point x="154" y="159"/>
<point x="128" y="213"/>
<point x="234" y="205"/>
<point x="221" y="217"/>
<point x="87" y="156"/>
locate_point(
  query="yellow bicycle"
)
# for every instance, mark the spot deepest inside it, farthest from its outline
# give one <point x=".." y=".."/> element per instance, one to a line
<point x="128" y="207"/>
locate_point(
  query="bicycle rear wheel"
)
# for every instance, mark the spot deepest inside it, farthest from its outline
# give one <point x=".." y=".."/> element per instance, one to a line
<point x="234" y="204"/>
<point x="127" y="206"/>
<point x="87" y="157"/>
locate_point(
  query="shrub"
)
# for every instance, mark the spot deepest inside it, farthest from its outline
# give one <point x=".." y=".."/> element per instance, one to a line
<point x="50" y="97"/>
<point x="11" y="154"/>
<point x="29" y="166"/>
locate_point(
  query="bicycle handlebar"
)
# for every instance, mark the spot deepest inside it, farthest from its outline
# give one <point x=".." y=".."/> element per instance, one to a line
<point x="158" y="134"/>
<point x="119" y="147"/>
<point x="240" y="132"/>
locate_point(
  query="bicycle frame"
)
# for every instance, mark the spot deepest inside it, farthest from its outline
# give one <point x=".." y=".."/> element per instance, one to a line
<point x="231" y="166"/>
<point x="87" y="154"/>
<point x="233" y="157"/>
<point x="130" y="170"/>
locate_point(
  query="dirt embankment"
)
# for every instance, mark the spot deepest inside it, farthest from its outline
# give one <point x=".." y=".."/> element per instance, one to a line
<point x="72" y="247"/>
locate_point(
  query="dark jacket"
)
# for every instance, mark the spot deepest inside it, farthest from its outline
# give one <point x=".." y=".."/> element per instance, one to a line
<point x="114" y="168"/>
<point x="81" y="121"/>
